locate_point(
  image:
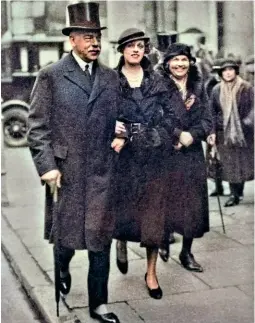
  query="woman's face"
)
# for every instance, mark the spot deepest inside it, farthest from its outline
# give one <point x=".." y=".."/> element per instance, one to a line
<point x="228" y="74"/>
<point x="134" y="52"/>
<point x="179" y="66"/>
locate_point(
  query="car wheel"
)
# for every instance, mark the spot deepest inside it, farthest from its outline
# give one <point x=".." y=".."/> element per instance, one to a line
<point x="15" y="127"/>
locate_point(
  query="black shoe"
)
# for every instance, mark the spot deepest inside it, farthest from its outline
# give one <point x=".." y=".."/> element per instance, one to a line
<point x="65" y="284"/>
<point x="215" y="193"/>
<point x="121" y="253"/>
<point x="164" y="253"/>
<point x="233" y="200"/>
<point x="188" y="261"/>
<point x="171" y="238"/>
<point x="154" y="293"/>
<point x="104" y="318"/>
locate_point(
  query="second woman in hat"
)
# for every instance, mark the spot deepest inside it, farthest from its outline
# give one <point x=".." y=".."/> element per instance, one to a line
<point x="147" y="118"/>
<point x="187" y="213"/>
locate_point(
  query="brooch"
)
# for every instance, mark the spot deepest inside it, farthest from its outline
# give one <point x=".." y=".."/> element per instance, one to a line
<point x="190" y="101"/>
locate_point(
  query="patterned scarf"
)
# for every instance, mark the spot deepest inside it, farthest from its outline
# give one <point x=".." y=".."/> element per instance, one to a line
<point x="233" y="132"/>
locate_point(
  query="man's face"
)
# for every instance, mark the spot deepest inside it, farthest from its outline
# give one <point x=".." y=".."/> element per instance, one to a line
<point x="179" y="66"/>
<point x="134" y="52"/>
<point x="87" y="45"/>
<point x="228" y="74"/>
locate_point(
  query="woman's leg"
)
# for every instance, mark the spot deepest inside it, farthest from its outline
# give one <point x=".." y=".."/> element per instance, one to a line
<point x="151" y="276"/>
<point x="152" y="255"/>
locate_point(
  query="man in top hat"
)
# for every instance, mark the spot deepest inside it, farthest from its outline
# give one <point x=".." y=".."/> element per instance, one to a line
<point x="71" y="128"/>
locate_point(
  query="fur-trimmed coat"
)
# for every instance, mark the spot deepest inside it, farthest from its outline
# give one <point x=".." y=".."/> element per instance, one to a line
<point x="144" y="160"/>
<point x="186" y="187"/>
<point x="237" y="162"/>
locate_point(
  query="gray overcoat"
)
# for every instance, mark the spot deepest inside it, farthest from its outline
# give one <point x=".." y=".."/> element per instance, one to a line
<point x="71" y="127"/>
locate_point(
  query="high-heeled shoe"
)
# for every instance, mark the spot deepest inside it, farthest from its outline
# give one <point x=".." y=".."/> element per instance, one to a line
<point x="233" y="200"/>
<point x="156" y="293"/>
<point x="65" y="284"/>
<point x="164" y="253"/>
<point x="121" y="257"/>
<point x="188" y="262"/>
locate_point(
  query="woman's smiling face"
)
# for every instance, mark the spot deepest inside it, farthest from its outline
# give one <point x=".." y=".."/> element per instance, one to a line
<point x="179" y="66"/>
<point x="134" y="52"/>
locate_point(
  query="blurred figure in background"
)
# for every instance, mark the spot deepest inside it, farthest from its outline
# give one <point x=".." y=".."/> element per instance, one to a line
<point x="249" y="69"/>
<point x="232" y="106"/>
<point x="209" y="85"/>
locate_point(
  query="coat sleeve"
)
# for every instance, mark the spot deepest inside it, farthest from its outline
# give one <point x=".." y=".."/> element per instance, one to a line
<point x="204" y="127"/>
<point x="248" y="121"/>
<point x="39" y="133"/>
<point x="216" y="110"/>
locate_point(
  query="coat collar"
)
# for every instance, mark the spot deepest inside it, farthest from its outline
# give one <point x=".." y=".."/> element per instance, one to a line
<point x="74" y="73"/>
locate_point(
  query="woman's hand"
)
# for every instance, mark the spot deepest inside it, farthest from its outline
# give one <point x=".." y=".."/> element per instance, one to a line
<point x="117" y="144"/>
<point x="186" y="139"/>
<point x="119" y="127"/>
<point x="178" y="146"/>
<point x="211" y="139"/>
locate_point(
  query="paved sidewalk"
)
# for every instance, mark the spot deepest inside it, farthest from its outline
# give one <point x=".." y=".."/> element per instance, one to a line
<point x="223" y="293"/>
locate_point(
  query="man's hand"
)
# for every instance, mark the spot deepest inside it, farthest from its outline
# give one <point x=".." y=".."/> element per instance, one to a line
<point x="186" y="139"/>
<point x="178" y="146"/>
<point x="52" y="177"/>
<point x="119" y="127"/>
<point x="118" y="144"/>
<point x="211" y="139"/>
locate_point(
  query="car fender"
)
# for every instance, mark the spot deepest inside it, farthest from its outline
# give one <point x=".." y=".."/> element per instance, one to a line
<point x="17" y="103"/>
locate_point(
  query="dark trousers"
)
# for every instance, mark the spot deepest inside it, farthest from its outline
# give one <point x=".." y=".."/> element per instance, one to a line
<point x="236" y="189"/>
<point x="99" y="268"/>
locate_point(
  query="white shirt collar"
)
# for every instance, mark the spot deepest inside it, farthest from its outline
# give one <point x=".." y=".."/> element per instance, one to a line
<point x="82" y="63"/>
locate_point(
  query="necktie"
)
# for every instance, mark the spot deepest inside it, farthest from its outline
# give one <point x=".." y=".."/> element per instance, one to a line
<point x="87" y="73"/>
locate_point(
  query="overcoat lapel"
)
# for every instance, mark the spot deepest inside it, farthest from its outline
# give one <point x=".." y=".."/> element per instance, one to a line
<point x="99" y="84"/>
<point x="74" y="74"/>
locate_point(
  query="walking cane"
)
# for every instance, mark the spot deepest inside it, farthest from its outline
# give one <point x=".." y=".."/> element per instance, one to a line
<point x="56" y="246"/>
<point x="56" y="255"/>
<point x="218" y="176"/>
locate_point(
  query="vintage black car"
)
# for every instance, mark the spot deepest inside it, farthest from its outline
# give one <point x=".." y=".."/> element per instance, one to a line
<point x="21" y="60"/>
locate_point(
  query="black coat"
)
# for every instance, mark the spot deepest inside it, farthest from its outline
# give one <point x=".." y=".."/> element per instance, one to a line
<point x="71" y="129"/>
<point x="144" y="160"/>
<point x="186" y="185"/>
<point x="237" y="162"/>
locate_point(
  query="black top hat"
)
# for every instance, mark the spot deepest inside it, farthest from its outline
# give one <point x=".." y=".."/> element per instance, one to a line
<point x="83" y="16"/>
<point x="166" y="39"/>
<point x="177" y="49"/>
<point x="130" y="35"/>
<point x="228" y="63"/>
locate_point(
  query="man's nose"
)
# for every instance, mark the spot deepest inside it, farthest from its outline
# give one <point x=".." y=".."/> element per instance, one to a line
<point x="94" y="41"/>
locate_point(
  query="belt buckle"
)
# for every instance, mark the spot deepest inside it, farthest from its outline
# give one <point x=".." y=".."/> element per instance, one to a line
<point x="135" y="127"/>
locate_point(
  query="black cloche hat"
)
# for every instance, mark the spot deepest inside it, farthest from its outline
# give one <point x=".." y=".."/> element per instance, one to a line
<point x="177" y="49"/>
<point x="83" y="16"/>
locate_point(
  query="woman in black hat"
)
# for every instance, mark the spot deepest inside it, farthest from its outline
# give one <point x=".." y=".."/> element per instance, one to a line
<point x="147" y="119"/>
<point x="187" y="212"/>
<point x="232" y="105"/>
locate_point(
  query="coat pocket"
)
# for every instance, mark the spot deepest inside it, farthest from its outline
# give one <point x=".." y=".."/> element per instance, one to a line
<point x="60" y="151"/>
